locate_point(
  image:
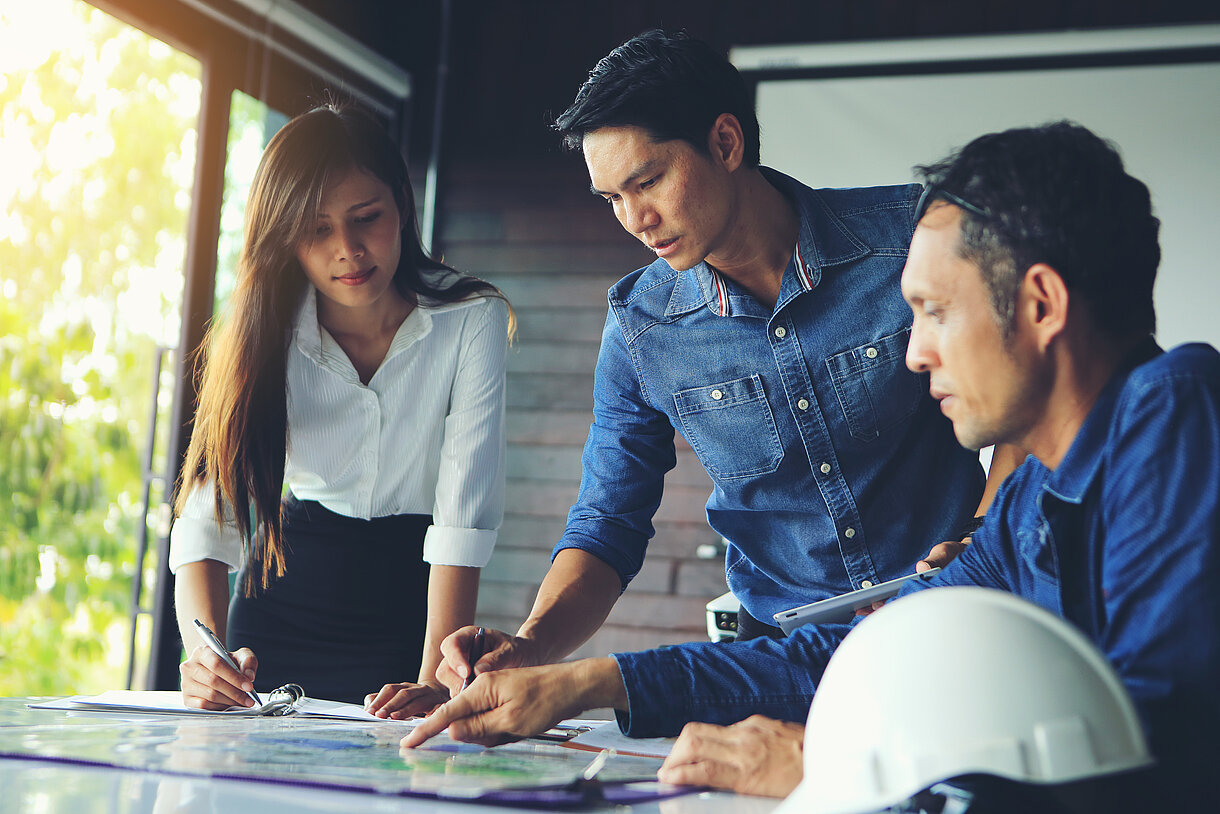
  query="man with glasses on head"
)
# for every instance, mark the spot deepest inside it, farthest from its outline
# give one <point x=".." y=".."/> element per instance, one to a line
<point x="1030" y="276"/>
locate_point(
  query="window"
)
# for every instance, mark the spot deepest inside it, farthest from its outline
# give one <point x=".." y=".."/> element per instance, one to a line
<point x="97" y="126"/>
<point x="251" y="125"/>
<point x="130" y="131"/>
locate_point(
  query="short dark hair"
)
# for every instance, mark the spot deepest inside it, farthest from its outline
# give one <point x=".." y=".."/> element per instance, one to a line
<point x="671" y="85"/>
<point x="1056" y="194"/>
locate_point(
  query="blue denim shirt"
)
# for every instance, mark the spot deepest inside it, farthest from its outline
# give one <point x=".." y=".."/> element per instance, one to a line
<point x="1122" y="539"/>
<point x="830" y="464"/>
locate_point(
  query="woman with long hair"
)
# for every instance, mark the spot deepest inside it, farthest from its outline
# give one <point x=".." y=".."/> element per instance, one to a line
<point x="348" y="449"/>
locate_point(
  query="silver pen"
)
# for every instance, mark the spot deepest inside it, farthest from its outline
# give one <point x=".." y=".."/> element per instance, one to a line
<point x="209" y="638"/>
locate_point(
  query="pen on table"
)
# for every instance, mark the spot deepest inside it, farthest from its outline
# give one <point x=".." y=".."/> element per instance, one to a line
<point x="209" y="638"/>
<point x="476" y="653"/>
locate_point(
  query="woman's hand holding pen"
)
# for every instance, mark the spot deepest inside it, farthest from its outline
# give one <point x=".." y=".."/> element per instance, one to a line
<point x="406" y="700"/>
<point x="209" y="683"/>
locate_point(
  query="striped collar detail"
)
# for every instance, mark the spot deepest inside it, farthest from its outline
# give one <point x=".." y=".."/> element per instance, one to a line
<point x="722" y="293"/>
<point x="802" y="270"/>
<point x="804" y="276"/>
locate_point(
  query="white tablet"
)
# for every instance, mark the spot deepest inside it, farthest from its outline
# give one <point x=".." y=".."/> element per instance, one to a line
<point x="843" y="607"/>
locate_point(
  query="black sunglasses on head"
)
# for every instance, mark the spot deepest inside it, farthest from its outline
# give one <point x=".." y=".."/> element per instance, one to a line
<point x="932" y="192"/>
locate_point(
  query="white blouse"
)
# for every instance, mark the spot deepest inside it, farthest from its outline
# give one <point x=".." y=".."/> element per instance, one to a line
<point x="426" y="435"/>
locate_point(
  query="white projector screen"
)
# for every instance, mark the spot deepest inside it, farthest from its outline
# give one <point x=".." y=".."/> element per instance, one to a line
<point x="1164" y="118"/>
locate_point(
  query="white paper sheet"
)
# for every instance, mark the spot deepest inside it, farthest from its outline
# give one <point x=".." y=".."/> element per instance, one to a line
<point x="170" y="702"/>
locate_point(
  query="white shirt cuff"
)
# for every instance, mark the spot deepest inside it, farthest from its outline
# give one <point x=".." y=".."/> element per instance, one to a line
<point x="449" y="545"/>
<point x="193" y="539"/>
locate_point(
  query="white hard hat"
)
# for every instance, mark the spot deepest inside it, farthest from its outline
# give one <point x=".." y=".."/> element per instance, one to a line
<point x="954" y="681"/>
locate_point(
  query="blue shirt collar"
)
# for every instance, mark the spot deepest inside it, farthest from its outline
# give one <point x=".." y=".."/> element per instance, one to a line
<point x="1076" y="472"/>
<point x="823" y="240"/>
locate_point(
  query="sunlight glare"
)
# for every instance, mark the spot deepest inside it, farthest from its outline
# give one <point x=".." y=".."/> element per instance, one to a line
<point x="29" y="32"/>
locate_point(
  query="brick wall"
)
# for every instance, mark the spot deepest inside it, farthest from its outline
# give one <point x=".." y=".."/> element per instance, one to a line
<point x="533" y="229"/>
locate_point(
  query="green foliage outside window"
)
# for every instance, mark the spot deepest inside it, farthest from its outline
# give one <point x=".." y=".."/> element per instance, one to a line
<point x="97" y="130"/>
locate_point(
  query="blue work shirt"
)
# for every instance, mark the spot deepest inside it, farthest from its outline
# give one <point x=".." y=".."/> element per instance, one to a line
<point x="831" y="466"/>
<point x="1122" y="539"/>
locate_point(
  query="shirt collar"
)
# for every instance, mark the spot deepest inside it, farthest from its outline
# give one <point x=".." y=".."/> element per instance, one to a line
<point x="1076" y="472"/>
<point x="307" y="333"/>
<point x="822" y="240"/>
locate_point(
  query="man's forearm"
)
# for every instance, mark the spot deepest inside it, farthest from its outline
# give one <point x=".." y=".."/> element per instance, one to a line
<point x="601" y="684"/>
<point x="574" y="599"/>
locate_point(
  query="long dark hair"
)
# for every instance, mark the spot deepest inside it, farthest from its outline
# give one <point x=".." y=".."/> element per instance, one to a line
<point x="240" y="437"/>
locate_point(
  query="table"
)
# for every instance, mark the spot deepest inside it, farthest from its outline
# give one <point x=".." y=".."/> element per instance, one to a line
<point x="167" y="763"/>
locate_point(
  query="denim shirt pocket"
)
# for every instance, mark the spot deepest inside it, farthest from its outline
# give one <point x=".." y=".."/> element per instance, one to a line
<point x="875" y="388"/>
<point x="730" y="427"/>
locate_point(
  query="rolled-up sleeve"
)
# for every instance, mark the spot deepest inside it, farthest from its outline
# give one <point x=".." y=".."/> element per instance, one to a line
<point x="197" y="535"/>
<point x="445" y="545"/>
<point x="469" y="502"/>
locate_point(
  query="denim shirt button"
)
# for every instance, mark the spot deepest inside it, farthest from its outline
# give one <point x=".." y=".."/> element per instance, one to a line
<point x="849" y="533"/>
<point x="781" y="332"/>
<point x="825" y="468"/>
<point x="866" y="583"/>
<point x="717" y="395"/>
<point x="871" y="353"/>
<point x="803" y="404"/>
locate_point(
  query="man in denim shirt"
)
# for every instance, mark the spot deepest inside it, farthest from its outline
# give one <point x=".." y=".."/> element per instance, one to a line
<point x="771" y="334"/>
<point x="1030" y="277"/>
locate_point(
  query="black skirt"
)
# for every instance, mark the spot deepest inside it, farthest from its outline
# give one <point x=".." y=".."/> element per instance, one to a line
<point x="350" y="612"/>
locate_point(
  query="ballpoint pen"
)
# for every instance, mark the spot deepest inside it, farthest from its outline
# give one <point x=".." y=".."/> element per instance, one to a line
<point x="476" y="653"/>
<point x="209" y="638"/>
